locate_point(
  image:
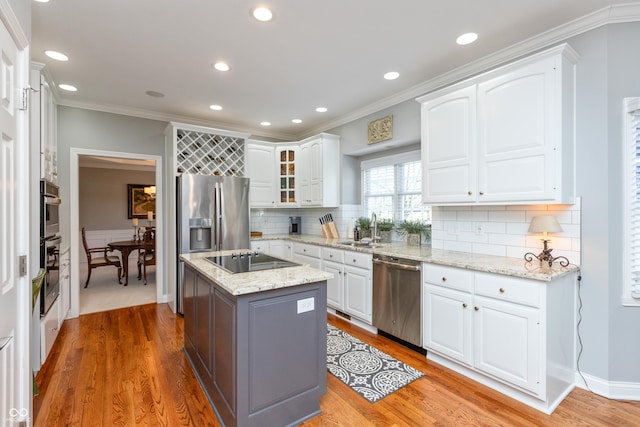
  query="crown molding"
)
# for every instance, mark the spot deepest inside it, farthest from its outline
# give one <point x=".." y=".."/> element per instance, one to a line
<point x="609" y="15"/>
<point x="154" y="115"/>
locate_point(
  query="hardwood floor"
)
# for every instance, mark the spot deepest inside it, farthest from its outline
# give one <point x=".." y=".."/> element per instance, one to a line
<point x="126" y="367"/>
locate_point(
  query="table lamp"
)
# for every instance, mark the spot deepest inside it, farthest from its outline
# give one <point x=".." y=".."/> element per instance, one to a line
<point x="545" y="224"/>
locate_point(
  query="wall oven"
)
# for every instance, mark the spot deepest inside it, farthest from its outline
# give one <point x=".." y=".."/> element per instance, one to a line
<point x="50" y="254"/>
<point x="49" y="209"/>
<point x="49" y="244"/>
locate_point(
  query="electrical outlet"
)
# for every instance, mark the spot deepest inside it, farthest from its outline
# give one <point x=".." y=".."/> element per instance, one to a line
<point x="307" y="304"/>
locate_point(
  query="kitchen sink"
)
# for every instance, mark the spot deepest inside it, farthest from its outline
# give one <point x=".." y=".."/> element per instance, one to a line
<point x="358" y="244"/>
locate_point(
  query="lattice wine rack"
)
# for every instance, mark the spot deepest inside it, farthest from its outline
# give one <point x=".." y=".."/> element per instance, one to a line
<point x="209" y="154"/>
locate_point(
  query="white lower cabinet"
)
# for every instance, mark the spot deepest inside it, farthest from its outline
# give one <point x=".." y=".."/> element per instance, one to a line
<point x="65" y="285"/>
<point x="515" y="335"/>
<point x="307" y="254"/>
<point x="350" y="289"/>
<point x="49" y="328"/>
<point x="277" y="248"/>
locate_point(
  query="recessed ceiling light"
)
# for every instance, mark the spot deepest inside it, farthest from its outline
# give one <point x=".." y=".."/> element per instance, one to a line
<point x="321" y="109"/>
<point x="215" y="107"/>
<point x="262" y="14"/>
<point x="265" y="123"/>
<point x="67" y="87"/>
<point x="56" y="55"/>
<point x="296" y="121"/>
<point x="42" y="1"/>
<point x="155" y="94"/>
<point x="391" y="75"/>
<point x="467" y="38"/>
<point x="221" y="66"/>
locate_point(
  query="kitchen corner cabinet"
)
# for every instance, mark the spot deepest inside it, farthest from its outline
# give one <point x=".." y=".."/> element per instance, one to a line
<point x="504" y="137"/>
<point x="294" y="174"/>
<point x="350" y="290"/>
<point x="287" y="165"/>
<point x="515" y="335"/>
<point x="320" y="171"/>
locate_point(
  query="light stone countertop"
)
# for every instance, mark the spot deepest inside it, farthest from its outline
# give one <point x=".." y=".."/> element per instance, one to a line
<point x="259" y="281"/>
<point x="516" y="267"/>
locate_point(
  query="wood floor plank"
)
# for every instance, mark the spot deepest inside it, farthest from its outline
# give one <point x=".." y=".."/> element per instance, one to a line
<point x="127" y="367"/>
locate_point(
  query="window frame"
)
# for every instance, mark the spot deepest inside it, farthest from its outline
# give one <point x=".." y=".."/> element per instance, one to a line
<point x="392" y="160"/>
<point x="630" y="186"/>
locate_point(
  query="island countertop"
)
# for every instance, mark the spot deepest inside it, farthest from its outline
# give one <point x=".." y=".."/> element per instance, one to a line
<point x="258" y="281"/>
<point x="516" y="267"/>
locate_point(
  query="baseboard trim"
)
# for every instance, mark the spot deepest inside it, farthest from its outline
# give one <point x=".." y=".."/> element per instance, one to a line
<point x="616" y="390"/>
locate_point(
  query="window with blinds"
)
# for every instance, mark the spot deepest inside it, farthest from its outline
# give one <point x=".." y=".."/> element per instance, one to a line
<point x="632" y="200"/>
<point x="392" y="188"/>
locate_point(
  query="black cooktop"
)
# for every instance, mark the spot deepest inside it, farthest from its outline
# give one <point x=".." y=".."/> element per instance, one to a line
<point x="249" y="261"/>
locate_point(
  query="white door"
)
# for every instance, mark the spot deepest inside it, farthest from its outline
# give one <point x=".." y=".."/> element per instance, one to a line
<point x="14" y="360"/>
<point x="261" y="171"/>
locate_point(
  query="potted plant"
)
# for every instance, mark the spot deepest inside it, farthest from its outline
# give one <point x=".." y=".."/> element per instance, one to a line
<point x="385" y="226"/>
<point x="365" y="226"/>
<point x="414" y="230"/>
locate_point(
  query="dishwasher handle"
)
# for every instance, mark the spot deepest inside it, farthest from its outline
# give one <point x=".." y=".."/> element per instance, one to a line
<point x="398" y="265"/>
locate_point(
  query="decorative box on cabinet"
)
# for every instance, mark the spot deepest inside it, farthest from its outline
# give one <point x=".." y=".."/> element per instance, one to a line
<point x="515" y="335"/>
<point x="504" y="137"/>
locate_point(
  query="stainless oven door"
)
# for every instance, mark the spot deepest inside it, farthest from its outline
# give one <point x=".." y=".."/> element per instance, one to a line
<point x="50" y="251"/>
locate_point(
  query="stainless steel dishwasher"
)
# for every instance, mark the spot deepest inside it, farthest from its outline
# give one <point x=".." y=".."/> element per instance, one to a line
<point x="397" y="298"/>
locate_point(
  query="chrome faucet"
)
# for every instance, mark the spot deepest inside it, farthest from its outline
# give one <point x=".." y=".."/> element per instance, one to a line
<point x="374" y="227"/>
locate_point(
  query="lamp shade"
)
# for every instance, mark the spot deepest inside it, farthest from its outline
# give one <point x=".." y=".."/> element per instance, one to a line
<point x="544" y="223"/>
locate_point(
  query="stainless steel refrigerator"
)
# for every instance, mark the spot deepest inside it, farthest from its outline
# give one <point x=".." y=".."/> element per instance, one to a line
<point x="213" y="215"/>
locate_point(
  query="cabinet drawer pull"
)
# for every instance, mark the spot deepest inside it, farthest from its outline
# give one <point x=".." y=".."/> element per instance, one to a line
<point x="482" y="193"/>
<point x="464" y="305"/>
<point x="476" y="308"/>
<point x="331" y="256"/>
<point x="444" y="279"/>
<point x="502" y="290"/>
<point x="469" y="193"/>
<point x="354" y="260"/>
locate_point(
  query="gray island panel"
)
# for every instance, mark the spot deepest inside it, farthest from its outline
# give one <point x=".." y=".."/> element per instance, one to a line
<point x="260" y="357"/>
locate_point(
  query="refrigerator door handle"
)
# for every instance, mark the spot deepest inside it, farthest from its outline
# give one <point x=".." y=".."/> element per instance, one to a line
<point x="218" y="216"/>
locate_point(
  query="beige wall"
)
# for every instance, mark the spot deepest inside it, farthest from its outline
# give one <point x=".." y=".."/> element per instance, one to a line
<point x="103" y="197"/>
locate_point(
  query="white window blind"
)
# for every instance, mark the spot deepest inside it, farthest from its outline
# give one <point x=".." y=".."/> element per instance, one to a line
<point x="632" y="200"/>
<point x="392" y="188"/>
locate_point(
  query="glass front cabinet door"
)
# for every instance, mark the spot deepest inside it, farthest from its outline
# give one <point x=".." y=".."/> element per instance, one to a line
<point x="287" y="157"/>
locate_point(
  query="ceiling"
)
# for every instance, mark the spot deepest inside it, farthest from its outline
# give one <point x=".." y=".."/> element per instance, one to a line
<point x="330" y="53"/>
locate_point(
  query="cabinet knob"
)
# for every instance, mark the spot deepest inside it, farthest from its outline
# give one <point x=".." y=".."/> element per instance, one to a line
<point x="469" y="193"/>
<point x="354" y="260"/>
<point x="502" y="290"/>
<point x="476" y="308"/>
<point x="330" y="256"/>
<point x="482" y="193"/>
<point x="444" y="279"/>
<point x="304" y="250"/>
<point x="464" y="305"/>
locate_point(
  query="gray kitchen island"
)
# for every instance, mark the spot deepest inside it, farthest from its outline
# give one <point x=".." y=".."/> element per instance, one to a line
<point x="257" y="340"/>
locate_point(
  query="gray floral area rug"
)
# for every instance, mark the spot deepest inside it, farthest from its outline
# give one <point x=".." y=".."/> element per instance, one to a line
<point x="368" y="371"/>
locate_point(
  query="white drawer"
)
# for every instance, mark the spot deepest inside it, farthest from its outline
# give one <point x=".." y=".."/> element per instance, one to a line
<point x="357" y="259"/>
<point x="512" y="289"/>
<point x="308" y="250"/>
<point x="449" y="277"/>
<point x="331" y="254"/>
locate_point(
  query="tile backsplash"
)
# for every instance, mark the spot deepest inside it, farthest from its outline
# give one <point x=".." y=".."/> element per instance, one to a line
<point x="503" y="230"/>
<point x="491" y="230"/>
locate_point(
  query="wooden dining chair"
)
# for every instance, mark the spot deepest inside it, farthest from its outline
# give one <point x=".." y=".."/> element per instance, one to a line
<point x="99" y="257"/>
<point x="147" y="255"/>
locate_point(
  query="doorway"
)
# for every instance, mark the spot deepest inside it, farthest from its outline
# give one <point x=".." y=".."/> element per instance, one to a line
<point x="98" y="165"/>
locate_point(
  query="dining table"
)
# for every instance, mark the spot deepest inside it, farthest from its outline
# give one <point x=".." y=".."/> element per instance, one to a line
<point x="126" y="247"/>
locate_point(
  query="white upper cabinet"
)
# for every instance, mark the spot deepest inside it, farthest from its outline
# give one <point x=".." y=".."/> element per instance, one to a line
<point x="320" y="171"/>
<point x="43" y="122"/>
<point x="294" y="174"/>
<point x="259" y="163"/>
<point x="504" y="137"/>
<point x="449" y="168"/>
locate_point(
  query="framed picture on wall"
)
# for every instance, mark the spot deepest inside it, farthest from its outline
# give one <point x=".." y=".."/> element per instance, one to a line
<point x="140" y="200"/>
